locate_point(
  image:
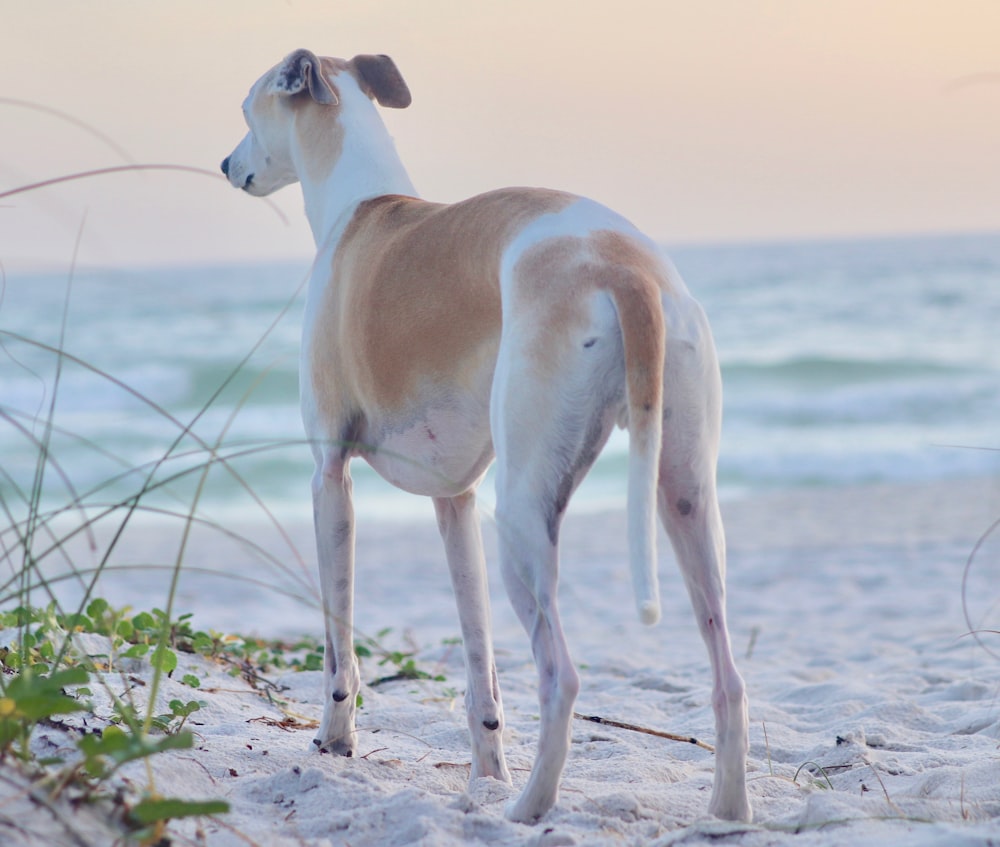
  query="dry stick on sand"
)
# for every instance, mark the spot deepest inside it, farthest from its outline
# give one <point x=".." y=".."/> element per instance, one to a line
<point x="687" y="739"/>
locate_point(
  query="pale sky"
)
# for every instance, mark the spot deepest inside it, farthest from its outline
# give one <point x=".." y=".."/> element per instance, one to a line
<point x="717" y="120"/>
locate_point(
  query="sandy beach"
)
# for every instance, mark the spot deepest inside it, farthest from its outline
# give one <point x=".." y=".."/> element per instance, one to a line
<point x="874" y="715"/>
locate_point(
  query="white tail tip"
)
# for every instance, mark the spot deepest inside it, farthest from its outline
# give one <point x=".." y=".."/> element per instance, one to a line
<point x="649" y="612"/>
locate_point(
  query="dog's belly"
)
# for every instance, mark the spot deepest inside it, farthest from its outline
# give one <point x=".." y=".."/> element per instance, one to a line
<point x="439" y="453"/>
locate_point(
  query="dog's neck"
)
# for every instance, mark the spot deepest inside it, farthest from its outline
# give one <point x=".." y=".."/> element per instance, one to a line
<point x="367" y="166"/>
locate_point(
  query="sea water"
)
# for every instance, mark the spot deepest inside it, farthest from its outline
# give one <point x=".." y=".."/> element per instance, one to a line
<point x="843" y="362"/>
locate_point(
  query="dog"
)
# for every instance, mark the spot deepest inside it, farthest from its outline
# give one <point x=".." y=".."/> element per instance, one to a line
<point x="522" y="325"/>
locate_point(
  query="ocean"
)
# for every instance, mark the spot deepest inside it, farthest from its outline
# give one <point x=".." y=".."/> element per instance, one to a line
<point x="844" y="362"/>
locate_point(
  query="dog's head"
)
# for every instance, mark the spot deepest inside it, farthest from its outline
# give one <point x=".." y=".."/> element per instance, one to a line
<point x="295" y="116"/>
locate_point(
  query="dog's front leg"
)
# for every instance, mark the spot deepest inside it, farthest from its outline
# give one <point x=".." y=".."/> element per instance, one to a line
<point x="458" y="521"/>
<point x="333" y="513"/>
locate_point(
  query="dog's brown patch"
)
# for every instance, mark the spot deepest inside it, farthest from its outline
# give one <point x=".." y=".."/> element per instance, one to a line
<point x="554" y="279"/>
<point x="415" y="298"/>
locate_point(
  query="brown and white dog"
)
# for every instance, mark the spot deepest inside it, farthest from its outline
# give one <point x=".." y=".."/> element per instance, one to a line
<point x="522" y="323"/>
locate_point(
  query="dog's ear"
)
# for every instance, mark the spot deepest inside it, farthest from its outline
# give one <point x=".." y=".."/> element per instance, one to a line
<point x="381" y="79"/>
<point x="302" y="71"/>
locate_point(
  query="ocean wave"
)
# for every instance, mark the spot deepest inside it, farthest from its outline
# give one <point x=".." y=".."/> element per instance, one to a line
<point x="832" y="370"/>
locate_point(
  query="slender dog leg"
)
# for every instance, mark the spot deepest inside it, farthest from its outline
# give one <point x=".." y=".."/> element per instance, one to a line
<point x="546" y="441"/>
<point x="334" y="520"/>
<point x="458" y="520"/>
<point x="529" y="561"/>
<point x="695" y="528"/>
<point x="689" y="509"/>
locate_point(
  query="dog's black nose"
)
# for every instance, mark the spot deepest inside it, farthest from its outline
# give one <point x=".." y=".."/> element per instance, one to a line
<point x="225" y="166"/>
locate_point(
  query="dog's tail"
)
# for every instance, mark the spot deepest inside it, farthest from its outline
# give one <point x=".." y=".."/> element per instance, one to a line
<point x="637" y="299"/>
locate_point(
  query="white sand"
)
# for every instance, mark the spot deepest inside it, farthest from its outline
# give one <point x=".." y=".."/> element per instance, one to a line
<point x="846" y="613"/>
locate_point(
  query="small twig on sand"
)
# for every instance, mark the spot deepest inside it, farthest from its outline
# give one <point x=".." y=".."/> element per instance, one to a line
<point x="687" y="739"/>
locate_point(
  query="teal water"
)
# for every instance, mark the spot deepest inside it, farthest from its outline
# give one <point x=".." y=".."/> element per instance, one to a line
<point x="843" y="362"/>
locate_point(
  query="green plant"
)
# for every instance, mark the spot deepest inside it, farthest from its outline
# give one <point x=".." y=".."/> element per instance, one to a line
<point x="44" y="677"/>
<point x="32" y="697"/>
<point x="403" y="661"/>
<point x="41" y="662"/>
<point x="116" y="746"/>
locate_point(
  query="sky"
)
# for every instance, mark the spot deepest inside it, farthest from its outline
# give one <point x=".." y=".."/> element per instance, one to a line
<point x="715" y="121"/>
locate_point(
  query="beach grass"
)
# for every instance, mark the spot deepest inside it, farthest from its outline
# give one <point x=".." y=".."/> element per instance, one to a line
<point x="47" y="674"/>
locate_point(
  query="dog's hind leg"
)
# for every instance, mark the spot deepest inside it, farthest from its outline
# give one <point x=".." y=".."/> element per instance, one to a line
<point x="546" y="437"/>
<point x="458" y="521"/>
<point x="689" y="509"/>
<point x="530" y="562"/>
<point x="334" y="523"/>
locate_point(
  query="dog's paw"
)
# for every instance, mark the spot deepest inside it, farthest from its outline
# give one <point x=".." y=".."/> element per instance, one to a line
<point x="735" y="808"/>
<point x="338" y="746"/>
<point x="526" y="809"/>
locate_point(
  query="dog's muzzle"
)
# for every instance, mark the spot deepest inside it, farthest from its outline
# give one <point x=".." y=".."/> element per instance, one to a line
<point x="225" y="171"/>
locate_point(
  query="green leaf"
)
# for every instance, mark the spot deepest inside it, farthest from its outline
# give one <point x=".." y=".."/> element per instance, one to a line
<point x="191" y="680"/>
<point x="98" y="608"/>
<point x="202" y="643"/>
<point x="31" y="681"/>
<point x="313" y="662"/>
<point x="182" y="710"/>
<point x="179" y="741"/>
<point x="161" y="722"/>
<point x="121" y="747"/>
<point x="164" y="659"/>
<point x="76" y="621"/>
<point x="144" y="621"/>
<point x="150" y="811"/>
<point x="41" y="706"/>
